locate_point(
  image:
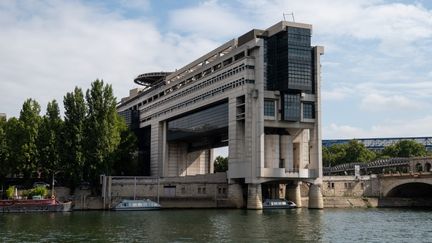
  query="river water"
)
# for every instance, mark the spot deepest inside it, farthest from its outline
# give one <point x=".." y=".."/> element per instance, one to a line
<point x="296" y="225"/>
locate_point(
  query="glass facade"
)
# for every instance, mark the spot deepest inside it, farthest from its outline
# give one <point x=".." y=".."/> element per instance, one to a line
<point x="213" y="120"/>
<point x="277" y="61"/>
<point x="131" y="118"/>
<point x="289" y="62"/>
<point x="299" y="59"/>
<point x="289" y="69"/>
<point x="308" y="110"/>
<point x="291" y="107"/>
<point x="269" y="108"/>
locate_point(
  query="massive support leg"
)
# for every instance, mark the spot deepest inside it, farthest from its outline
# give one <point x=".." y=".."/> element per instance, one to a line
<point x="254" y="200"/>
<point x="235" y="194"/>
<point x="293" y="193"/>
<point x="315" y="197"/>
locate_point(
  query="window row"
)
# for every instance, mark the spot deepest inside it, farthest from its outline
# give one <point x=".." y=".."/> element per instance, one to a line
<point x="208" y="82"/>
<point x="206" y="95"/>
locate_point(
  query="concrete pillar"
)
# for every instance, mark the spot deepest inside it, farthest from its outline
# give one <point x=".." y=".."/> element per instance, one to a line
<point x="287" y="153"/>
<point x="156" y="161"/>
<point x="293" y="193"/>
<point x="254" y="199"/>
<point x="235" y="195"/>
<point x="271" y="151"/>
<point x="211" y="161"/>
<point x="315" y="197"/>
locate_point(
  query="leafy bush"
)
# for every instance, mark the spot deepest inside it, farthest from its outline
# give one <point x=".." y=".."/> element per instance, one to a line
<point x="10" y="192"/>
<point x="38" y="191"/>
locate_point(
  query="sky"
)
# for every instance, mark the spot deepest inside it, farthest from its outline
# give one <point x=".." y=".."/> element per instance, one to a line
<point x="376" y="71"/>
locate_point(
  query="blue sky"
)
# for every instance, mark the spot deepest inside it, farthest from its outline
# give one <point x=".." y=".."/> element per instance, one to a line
<point x="377" y="67"/>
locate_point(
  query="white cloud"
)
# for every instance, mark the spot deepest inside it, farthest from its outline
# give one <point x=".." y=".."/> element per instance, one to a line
<point x="400" y="128"/>
<point x="336" y="94"/>
<point x="365" y="19"/>
<point x="395" y="103"/>
<point x="342" y="131"/>
<point x="209" y="18"/>
<point x="47" y="48"/>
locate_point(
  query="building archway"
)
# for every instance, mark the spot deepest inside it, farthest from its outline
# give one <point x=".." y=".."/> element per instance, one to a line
<point x="411" y="190"/>
<point x="428" y="167"/>
<point x="419" y="167"/>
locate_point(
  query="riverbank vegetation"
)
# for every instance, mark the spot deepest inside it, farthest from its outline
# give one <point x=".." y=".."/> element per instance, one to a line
<point x="86" y="142"/>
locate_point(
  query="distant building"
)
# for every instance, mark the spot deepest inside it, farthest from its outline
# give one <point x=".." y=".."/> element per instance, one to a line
<point x="3" y="115"/>
<point x="378" y="144"/>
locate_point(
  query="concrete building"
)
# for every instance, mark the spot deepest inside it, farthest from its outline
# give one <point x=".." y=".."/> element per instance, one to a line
<point x="3" y="116"/>
<point x="258" y="94"/>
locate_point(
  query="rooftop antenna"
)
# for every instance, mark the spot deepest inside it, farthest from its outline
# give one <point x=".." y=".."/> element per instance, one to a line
<point x="289" y="14"/>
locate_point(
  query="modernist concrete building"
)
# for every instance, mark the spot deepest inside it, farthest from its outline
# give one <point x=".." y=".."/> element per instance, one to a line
<point x="258" y="94"/>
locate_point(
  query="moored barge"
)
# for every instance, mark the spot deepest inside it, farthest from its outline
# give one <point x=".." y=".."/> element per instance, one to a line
<point x="34" y="205"/>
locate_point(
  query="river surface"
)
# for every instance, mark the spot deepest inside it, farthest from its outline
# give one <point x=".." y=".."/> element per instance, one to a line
<point x="296" y="225"/>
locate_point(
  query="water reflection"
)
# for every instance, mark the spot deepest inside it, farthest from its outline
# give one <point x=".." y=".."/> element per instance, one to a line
<point x="298" y="225"/>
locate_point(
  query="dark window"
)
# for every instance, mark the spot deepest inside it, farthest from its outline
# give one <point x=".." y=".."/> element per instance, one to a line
<point x="308" y="111"/>
<point x="240" y="55"/>
<point x="269" y="108"/>
<point x="211" y="122"/>
<point x="291" y="107"/>
<point x="288" y="61"/>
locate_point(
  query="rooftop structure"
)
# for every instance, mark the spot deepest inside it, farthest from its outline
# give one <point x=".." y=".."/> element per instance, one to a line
<point x="258" y="94"/>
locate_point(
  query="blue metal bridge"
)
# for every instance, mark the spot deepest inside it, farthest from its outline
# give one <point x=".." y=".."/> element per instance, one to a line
<point x="378" y="144"/>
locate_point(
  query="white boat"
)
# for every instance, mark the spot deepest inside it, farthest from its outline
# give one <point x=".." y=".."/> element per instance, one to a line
<point x="137" y="205"/>
<point x="278" y="204"/>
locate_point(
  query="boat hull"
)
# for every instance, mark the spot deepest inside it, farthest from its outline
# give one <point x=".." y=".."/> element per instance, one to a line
<point x="136" y="209"/>
<point x="278" y="204"/>
<point x="28" y="206"/>
<point x="278" y="207"/>
<point x="137" y="205"/>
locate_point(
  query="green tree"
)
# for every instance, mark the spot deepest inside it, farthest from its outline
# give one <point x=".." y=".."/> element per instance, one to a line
<point x="4" y="153"/>
<point x="357" y="152"/>
<point x="125" y="161"/>
<point x="30" y="120"/>
<point x="73" y="135"/>
<point x="102" y="129"/>
<point x="14" y="140"/>
<point x="353" y="151"/>
<point x="220" y="164"/>
<point x="405" y="148"/>
<point x="334" y="155"/>
<point x="49" y="141"/>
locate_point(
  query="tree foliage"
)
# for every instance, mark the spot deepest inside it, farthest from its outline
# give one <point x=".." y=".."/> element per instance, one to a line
<point x="73" y="134"/>
<point x="29" y="121"/>
<point x="4" y="153"/>
<point x="221" y="164"/>
<point x="102" y="128"/>
<point x="353" y="151"/>
<point x="91" y="140"/>
<point x="50" y="140"/>
<point x="405" y="148"/>
<point x="125" y="157"/>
